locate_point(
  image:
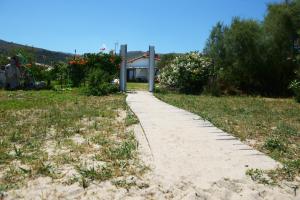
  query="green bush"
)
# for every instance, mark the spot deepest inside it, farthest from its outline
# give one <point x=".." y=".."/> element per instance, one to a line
<point x="99" y="83"/>
<point x="295" y="86"/>
<point x="275" y="143"/>
<point x="186" y="73"/>
<point x="99" y="69"/>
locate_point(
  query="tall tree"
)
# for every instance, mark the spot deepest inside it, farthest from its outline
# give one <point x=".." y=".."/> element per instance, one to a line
<point x="243" y="50"/>
<point x="280" y="34"/>
<point x="215" y="47"/>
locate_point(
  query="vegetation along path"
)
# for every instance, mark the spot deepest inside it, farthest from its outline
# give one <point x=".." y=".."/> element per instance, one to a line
<point x="191" y="157"/>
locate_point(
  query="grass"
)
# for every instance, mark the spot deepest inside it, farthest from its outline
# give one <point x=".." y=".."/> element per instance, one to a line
<point x="137" y="86"/>
<point x="273" y="124"/>
<point x="41" y="132"/>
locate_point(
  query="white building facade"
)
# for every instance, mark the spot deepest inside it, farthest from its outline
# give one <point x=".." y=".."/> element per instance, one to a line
<point x="138" y="68"/>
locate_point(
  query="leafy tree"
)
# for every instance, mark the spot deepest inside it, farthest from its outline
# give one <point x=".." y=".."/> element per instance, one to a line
<point x="257" y="57"/>
<point x="3" y="60"/>
<point x="101" y="69"/>
<point x="215" y="45"/>
<point x="77" y="71"/>
<point x="243" y="52"/>
<point x="215" y="49"/>
<point x="279" y="38"/>
<point x="165" y="60"/>
<point x="60" y="72"/>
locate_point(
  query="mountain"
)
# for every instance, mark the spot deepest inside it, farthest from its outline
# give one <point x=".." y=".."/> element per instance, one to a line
<point x="41" y="55"/>
<point x="46" y="56"/>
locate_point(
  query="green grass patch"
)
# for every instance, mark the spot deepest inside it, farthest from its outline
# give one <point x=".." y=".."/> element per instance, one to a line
<point x="137" y="86"/>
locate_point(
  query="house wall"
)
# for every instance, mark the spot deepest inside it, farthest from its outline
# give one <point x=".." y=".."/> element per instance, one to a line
<point x="141" y="69"/>
<point x="141" y="74"/>
<point x="141" y="63"/>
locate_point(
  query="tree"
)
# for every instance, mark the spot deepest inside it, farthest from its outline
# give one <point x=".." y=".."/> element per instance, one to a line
<point x="256" y="57"/>
<point x="3" y="60"/>
<point x="60" y="72"/>
<point x="280" y="33"/>
<point x="215" y="47"/>
<point x="165" y="60"/>
<point x="243" y="54"/>
<point x="77" y="71"/>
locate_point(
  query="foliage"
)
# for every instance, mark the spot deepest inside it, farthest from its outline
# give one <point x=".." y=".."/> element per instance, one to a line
<point x="99" y="83"/>
<point x="295" y="86"/>
<point x="253" y="57"/>
<point x="98" y="70"/>
<point x="77" y="71"/>
<point x="165" y="60"/>
<point x="275" y="143"/>
<point x="258" y="175"/>
<point x="215" y="45"/>
<point x="60" y="73"/>
<point x="3" y="60"/>
<point x="40" y="73"/>
<point x="186" y="73"/>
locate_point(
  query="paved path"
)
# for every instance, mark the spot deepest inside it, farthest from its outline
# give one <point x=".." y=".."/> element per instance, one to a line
<point x="185" y="147"/>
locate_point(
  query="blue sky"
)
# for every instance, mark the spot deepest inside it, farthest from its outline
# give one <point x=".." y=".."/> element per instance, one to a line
<point x="87" y="25"/>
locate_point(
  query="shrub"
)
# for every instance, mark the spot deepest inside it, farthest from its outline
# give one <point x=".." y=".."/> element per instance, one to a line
<point x="295" y="86"/>
<point x="93" y="66"/>
<point x="99" y="83"/>
<point x="186" y="73"/>
<point x="275" y="143"/>
<point x="77" y="70"/>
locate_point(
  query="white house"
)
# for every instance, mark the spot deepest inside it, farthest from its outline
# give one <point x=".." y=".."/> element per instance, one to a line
<point x="137" y="68"/>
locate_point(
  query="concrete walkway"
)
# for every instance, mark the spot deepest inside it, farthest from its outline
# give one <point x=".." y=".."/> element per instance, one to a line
<point x="185" y="147"/>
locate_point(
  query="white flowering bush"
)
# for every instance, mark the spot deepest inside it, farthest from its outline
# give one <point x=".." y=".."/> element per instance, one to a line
<point x="186" y="73"/>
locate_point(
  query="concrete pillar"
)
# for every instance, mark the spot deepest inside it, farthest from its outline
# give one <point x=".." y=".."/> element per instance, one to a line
<point x="123" y="68"/>
<point x="151" y="68"/>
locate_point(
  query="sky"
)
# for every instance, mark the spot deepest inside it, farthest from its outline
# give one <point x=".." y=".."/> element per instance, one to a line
<point x="89" y="25"/>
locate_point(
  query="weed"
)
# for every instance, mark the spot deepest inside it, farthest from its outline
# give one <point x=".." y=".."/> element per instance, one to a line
<point x="101" y="139"/>
<point x="275" y="143"/>
<point x="44" y="169"/>
<point x="16" y="136"/>
<point x="122" y="151"/>
<point x="124" y="184"/>
<point x="84" y="183"/>
<point x="258" y="176"/>
<point x="130" y="118"/>
<point x="288" y="172"/>
<point x="18" y="152"/>
<point x="101" y="173"/>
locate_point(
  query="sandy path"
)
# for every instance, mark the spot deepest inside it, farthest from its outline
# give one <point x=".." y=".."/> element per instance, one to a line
<point x="192" y="157"/>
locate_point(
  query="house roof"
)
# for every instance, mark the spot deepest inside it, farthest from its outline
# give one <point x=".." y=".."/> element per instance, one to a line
<point x="146" y="55"/>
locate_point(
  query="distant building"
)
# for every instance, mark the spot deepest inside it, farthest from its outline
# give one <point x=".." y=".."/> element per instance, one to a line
<point x="138" y="68"/>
